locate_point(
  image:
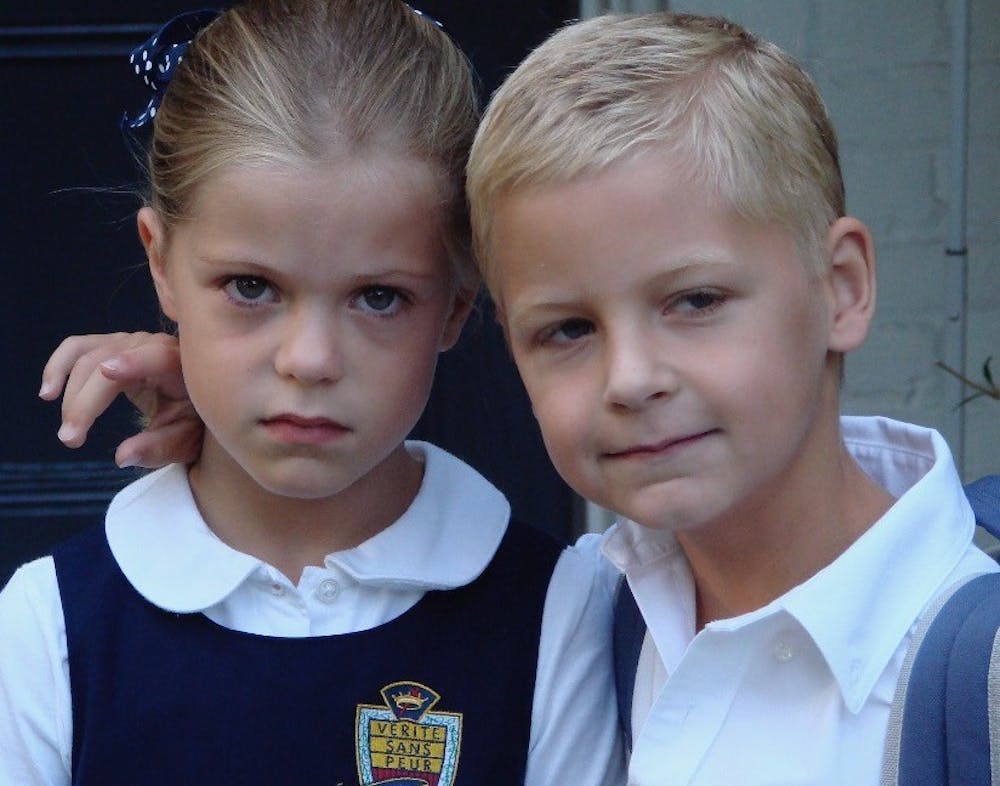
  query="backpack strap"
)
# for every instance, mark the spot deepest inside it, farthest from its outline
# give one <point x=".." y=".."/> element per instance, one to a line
<point x="629" y="632"/>
<point x="944" y="724"/>
<point x="984" y="496"/>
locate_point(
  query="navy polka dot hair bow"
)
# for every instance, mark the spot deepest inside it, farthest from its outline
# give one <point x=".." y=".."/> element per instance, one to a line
<point x="426" y="16"/>
<point x="154" y="60"/>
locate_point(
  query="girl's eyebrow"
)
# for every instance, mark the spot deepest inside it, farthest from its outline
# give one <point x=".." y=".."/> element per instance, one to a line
<point x="364" y="278"/>
<point x="389" y="272"/>
<point x="219" y="260"/>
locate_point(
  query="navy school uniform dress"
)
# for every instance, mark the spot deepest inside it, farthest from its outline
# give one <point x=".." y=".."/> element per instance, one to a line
<point x="441" y="695"/>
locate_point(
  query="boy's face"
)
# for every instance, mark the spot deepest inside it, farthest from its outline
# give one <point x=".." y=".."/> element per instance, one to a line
<point x="676" y="355"/>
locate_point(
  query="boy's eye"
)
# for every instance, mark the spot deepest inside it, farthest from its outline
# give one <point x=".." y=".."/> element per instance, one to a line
<point x="249" y="289"/>
<point x="383" y="301"/>
<point x="698" y="301"/>
<point x="570" y="330"/>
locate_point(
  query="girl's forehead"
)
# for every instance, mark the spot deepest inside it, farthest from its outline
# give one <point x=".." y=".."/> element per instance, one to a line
<point x="337" y="161"/>
<point x="366" y="204"/>
<point x="332" y="181"/>
<point x="383" y="210"/>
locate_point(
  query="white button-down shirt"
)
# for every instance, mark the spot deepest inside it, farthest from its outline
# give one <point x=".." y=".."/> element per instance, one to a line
<point x="797" y="692"/>
<point x="444" y="540"/>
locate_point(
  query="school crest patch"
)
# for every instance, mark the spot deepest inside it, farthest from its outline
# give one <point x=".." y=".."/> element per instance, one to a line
<point x="403" y="743"/>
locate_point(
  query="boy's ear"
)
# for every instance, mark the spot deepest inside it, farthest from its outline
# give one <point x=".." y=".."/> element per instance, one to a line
<point x="461" y="306"/>
<point x="851" y="280"/>
<point x="153" y="238"/>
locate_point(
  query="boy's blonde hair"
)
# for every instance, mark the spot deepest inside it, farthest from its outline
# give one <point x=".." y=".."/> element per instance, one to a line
<point x="736" y="112"/>
<point x="294" y="81"/>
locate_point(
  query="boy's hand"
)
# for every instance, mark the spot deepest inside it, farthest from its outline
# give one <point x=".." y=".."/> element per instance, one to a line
<point x="92" y="370"/>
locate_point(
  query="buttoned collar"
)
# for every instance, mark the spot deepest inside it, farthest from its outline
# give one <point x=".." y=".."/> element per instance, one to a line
<point x="858" y="609"/>
<point x="173" y="559"/>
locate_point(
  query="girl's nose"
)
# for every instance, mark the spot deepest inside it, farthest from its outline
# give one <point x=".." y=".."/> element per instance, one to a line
<point x="309" y="349"/>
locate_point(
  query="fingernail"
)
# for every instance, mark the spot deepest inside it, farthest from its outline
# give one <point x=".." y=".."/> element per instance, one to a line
<point x="45" y="389"/>
<point x="67" y="432"/>
<point x="111" y="365"/>
<point x="127" y="462"/>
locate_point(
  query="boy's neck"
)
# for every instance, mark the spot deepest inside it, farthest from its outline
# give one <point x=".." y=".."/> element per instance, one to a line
<point x="781" y="539"/>
<point x="290" y="533"/>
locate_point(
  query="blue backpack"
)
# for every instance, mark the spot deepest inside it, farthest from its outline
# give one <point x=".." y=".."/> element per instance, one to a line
<point x="944" y="725"/>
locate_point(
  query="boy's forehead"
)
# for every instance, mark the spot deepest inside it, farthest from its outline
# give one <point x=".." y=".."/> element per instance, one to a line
<point x="599" y="189"/>
<point x="629" y="225"/>
<point x="535" y="225"/>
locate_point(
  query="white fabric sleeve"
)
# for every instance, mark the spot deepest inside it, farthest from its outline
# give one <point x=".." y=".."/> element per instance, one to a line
<point x="35" y="712"/>
<point x="574" y="721"/>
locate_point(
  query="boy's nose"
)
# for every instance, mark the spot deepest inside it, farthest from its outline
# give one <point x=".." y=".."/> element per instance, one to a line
<point x="636" y="373"/>
<point x="309" y="349"/>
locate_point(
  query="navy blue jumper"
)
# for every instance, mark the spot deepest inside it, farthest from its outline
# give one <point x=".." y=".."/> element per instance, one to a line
<point x="441" y="695"/>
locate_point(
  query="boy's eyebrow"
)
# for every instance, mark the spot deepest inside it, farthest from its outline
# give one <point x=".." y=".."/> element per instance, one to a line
<point x="555" y="296"/>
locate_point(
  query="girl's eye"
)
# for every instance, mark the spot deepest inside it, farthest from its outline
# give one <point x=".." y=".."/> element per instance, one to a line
<point x="382" y="301"/>
<point x="249" y="289"/>
<point x="570" y="330"/>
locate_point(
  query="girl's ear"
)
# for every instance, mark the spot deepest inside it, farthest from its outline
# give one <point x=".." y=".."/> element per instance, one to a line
<point x="461" y="306"/>
<point x="153" y="238"/>
<point x="851" y="279"/>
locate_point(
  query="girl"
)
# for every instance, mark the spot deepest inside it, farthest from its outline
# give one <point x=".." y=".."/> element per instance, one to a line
<point x="313" y="600"/>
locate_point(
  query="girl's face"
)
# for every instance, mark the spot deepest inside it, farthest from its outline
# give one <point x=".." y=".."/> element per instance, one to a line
<point x="311" y="305"/>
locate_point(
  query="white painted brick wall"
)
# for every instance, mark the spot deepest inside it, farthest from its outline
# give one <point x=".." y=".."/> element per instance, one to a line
<point x="883" y="67"/>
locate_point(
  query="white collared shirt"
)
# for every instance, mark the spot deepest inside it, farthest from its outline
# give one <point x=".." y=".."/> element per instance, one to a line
<point x="444" y="540"/>
<point x="797" y="692"/>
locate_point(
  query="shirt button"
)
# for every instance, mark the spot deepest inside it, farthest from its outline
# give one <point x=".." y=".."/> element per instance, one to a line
<point x="782" y="652"/>
<point x="328" y="590"/>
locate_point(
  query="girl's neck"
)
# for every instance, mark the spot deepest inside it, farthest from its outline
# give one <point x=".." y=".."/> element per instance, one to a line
<point x="291" y="533"/>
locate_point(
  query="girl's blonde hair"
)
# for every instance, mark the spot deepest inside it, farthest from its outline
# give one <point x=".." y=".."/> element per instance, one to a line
<point x="291" y="81"/>
<point x="735" y="111"/>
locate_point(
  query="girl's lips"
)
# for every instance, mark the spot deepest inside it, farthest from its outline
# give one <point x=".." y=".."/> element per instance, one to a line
<point x="303" y="431"/>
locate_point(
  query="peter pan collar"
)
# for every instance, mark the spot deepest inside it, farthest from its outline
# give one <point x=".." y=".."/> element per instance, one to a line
<point x="444" y="539"/>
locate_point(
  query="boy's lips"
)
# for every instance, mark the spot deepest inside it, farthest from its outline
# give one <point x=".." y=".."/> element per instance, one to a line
<point x="663" y="447"/>
<point x="288" y="427"/>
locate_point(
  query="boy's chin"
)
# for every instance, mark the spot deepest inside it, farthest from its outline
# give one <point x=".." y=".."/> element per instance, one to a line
<point x="671" y="512"/>
<point x="656" y="506"/>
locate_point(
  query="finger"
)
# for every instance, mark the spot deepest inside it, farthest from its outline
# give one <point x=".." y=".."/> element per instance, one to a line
<point x="139" y="360"/>
<point x="66" y="357"/>
<point x="91" y="362"/>
<point x="155" y="364"/>
<point x="75" y="360"/>
<point x="173" y="411"/>
<point x="83" y="402"/>
<point x="176" y="442"/>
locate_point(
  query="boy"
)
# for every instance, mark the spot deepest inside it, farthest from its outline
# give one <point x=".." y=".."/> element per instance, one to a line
<point x="659" y="216"/>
